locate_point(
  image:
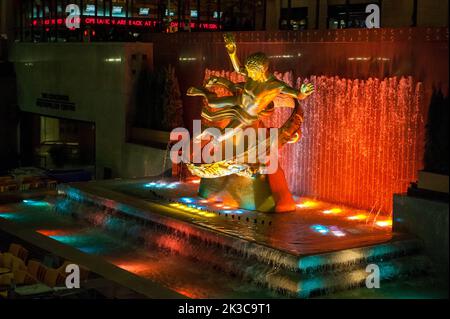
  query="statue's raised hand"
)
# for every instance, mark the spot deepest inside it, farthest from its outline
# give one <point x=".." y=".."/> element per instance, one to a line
<point x="230" y="43"/>
<point x="306" y="89"/>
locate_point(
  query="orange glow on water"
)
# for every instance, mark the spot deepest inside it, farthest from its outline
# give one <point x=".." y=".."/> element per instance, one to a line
<point x="384" y="223"/>
<point x="357" y="217"/>
<point x="308" y="204"/>
<point x="55" y="232"/>
<point x="332" y="211"/>
<point x="188" y="293"/>
<point x="134" y="267"/>
<point x="169" y="243"/>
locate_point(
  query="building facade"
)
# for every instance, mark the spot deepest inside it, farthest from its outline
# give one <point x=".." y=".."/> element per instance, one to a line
<point x="127" y="20"/>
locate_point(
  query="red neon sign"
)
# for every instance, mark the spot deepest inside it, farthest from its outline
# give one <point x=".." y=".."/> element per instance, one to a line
<point x="139" y="23"/>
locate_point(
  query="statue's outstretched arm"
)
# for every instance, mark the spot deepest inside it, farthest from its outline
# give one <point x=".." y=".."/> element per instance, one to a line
<point x="230" y="45"/>
<point x="216" y="80"/>
<point x="305" y="91"/>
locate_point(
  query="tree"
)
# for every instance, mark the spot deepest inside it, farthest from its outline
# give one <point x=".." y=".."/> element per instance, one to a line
<point x="172" y="105"/>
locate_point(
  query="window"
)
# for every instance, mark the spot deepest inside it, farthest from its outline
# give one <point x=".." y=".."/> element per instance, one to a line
<point x="294" y="18"/>
<point x="347" y="16"/>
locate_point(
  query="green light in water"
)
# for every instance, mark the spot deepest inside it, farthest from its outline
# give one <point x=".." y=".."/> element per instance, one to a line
<point x="31" y="202"/>
<point x="80" y="242"/>
<point x="10" y="216"/>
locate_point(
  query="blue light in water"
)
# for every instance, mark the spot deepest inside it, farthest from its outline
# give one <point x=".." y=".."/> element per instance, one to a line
<point x="232" y="211"/>
<point x="320" y="229"/>
<point x="150" y="185"/>
<point x="31" y="202"/>
<point x="310" y="262"/>
<point x="307" y="286"/>
<point x="10" y="216"/>
<point x="66" y="239"/>
<point x="161" y="185"/>
<point x="91" y="249"/>
<point x="78" y="242"/>
<point x="187" y="200"/>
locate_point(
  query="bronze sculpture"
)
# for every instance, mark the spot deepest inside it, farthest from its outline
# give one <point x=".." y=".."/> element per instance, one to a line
<point x="250" y="101"/>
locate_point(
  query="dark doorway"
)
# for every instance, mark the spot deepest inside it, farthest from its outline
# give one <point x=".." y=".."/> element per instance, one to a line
<point x="56" y="143"/>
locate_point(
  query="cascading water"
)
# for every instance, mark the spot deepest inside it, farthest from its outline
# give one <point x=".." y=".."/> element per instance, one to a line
<point x="362" y="139"/>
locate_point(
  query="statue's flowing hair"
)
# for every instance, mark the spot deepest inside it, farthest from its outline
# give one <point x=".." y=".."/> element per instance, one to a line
<point x="257" y="61"/>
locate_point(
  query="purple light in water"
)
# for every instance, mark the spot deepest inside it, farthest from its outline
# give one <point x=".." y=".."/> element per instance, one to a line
<point x="336" y="231"/>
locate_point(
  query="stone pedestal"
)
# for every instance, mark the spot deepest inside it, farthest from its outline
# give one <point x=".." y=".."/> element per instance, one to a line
<point x="244" y="192"/>
<point x="428" y="220"/>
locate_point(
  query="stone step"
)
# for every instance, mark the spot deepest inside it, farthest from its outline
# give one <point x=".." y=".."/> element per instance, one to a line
<point x="194" y="236"/>
<point x="317" y="284"/>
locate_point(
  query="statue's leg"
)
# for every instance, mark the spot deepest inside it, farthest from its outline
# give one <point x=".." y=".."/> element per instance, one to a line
<point x="284" y="202"/>
<point x="195" y="91"/>
<point x="224" y="101"/>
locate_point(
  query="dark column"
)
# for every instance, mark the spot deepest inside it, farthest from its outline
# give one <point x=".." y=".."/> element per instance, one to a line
<point x="219" y="19"/>
<point x="198" y="14"/>
<point x="56" y="19"/>
<point x="254" y="16"/>
<point x="264" y="14"/>
<point x="347" y="13"/>
<point x="81" y="31"/>
<point x="317" y="13"/>
<point x="32" y="19"/>
<point x="21" y="23"/>
<point x="414" y="14"/>
<point x="289" y="16"/>
<point x="178" y="14"/>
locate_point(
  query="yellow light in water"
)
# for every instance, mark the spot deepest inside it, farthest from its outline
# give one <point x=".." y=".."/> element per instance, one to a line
<point x="192" y="210"/>
<point x="333" y="211"/>
<point x="307" y="204"/>
<point x="357" y="217"/>
<point x="384" y="223"/>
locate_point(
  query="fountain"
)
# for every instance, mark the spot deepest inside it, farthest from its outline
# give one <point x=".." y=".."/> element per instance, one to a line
<point x="346" y="149"/>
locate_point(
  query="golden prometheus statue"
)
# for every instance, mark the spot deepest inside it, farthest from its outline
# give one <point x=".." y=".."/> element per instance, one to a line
<point x="235" y="179"/>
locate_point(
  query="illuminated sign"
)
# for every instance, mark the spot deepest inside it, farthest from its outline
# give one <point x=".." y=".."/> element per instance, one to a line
<point x="215" y="15"/>
<point x="116" y="10"/>
<point x="171" y="13"/>
<point x="139" y="23"/>
<point x="90" y="8"/>
<point x="144" y="11"/>
<point x="194" y="13"/>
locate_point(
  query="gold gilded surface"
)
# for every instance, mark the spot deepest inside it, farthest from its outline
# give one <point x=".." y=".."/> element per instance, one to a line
<point x="250" y="101"/>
